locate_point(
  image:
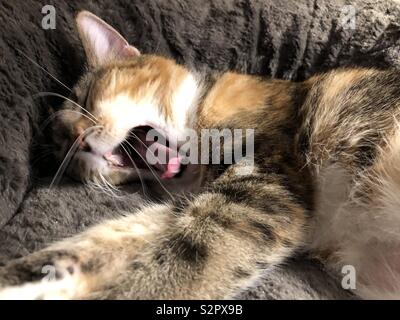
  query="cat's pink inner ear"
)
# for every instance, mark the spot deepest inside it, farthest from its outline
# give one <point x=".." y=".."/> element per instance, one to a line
<point x="102" y="42"/>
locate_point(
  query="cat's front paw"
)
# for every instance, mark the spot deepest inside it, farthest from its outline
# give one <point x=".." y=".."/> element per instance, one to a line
<point x="44" y="275"/>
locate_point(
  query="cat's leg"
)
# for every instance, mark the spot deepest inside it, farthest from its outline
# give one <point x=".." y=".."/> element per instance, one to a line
<point x="77" y="266"/>
<point x="216" y="248"/>
<point x="208" y="247"/>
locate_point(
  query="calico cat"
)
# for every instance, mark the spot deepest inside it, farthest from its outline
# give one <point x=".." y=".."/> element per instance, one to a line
<point x="325" y="179"/>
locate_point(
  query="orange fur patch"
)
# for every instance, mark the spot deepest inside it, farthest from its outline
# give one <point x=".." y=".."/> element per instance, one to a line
<point x="147" y="77"/>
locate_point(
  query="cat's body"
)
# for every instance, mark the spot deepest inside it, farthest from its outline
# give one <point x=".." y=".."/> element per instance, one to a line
<point x="326" y="179"/>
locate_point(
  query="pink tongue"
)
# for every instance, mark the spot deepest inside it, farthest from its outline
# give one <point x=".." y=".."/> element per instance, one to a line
<point x="173" y="167"/>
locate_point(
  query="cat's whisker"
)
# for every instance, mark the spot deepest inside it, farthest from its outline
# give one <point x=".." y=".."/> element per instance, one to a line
<point x="91" y="185"/>
<point x="151" y="170"/>
<point x="43" y="69"/>
<point x="97" y="186"/>
<point x="136" y="137"/>
<point x="142" y="182"/>
<point x="109" y="190"/>
<point x="110" y="185"/>
<point x="112" y="190"/>
<point x="64" y="163"/>
<point x="147" y="148"/>
<point x="69" y="154"/>
<point x="60" y="112"/>
<point x="45" y="93"/>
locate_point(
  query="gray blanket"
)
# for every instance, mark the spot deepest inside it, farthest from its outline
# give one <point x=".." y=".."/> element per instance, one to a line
<point x="285" y="39"/>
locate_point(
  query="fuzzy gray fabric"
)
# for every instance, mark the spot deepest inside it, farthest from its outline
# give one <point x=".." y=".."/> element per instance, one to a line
<point x="285" y="39"/>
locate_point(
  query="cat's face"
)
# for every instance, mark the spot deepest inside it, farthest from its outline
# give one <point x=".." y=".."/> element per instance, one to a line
<point x="121" y="98"/>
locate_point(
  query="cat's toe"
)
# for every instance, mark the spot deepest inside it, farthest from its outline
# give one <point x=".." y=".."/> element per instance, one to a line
<point x="65" y="288"/>
<point x="43" y="275"/>
<point x="47" y="275"/>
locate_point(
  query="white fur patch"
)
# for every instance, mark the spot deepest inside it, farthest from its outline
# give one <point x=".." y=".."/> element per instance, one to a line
<point x="124" y="113"/>
<point x="331" y="213"/>
<point x="359" y="222"/>
<point x="184" y="102"/>
<point x="66" y="288"/>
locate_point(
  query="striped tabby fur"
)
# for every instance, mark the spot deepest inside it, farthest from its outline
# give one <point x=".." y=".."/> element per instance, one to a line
<point x="326" y="181"/>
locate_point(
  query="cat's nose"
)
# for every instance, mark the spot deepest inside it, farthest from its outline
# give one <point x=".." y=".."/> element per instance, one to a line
<point x="84" y="145"/>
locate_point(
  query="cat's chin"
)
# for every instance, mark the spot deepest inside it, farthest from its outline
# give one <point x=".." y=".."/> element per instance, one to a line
<point x="89" y="168"/>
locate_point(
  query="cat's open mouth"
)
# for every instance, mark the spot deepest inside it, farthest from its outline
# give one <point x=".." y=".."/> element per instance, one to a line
<point x="141" y="153"/>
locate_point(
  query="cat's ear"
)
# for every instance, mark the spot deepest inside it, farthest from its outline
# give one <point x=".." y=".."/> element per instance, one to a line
<point x="102" y="42"/>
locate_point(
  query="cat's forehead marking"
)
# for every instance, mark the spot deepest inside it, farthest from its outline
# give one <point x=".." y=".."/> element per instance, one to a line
<point x="125" y="112"/>
<point x="185" y="100"/>
<point x="173" y="86"/>
<point x="147" y="104"/>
